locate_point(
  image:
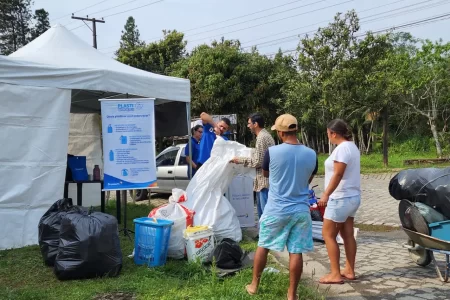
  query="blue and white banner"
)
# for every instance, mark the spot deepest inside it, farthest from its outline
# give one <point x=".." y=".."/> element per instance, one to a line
<point x="128" y="143"/>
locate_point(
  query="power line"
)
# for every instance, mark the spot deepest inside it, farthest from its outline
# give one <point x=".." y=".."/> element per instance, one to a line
<point x="113" y="7"/>
<point x="107" y="9"/>
<point x="235" y="18"/>
<point x="115" y="14"/>
<point x="411" y="10"/>
<point x="370" y="20"/>
<point x="274" y="21"/>
<point x="415" y="23"/>
<point x="122" y="12"/>
<point x="184" y="31"/>
<point x="295" y="37"/>
<point x="259" y="18"/>
<point x="325" y="21"/>
<point x="429" y="20"/>
<point x="242" y="16"/>
<point x="79" y="10"/>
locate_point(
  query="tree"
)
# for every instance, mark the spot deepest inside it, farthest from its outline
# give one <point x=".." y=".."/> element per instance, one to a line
<point x="42" y="23"/>
<point x="15" y="18"/>
<point x="425" y="80"/>
<point x="130" y="38"/>
<point x="156" y="57"/>
<point x="359" y="88"/>
<point x="310" y="94"/>
<point x="224" y="79"/>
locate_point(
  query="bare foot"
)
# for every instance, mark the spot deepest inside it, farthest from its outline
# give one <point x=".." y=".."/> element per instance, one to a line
<point x="295" y="297"/>
<point x="331" y="279"/>
<point x="348" y="274"/>
<point x="251" y="290"/>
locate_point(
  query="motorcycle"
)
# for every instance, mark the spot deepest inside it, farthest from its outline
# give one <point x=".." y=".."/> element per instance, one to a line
<point x="317" y="211"/>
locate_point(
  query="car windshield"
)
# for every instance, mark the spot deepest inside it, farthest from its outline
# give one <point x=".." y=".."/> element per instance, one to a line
<point x="167" y="158"/>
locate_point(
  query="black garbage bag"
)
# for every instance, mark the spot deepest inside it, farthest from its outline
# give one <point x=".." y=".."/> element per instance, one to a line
<point x="430" y="214"/>
<point x="430" y="186"/>
<point x="228" y="254"/>
<point x="89" y="246"/>
<point x="49" y="226"/>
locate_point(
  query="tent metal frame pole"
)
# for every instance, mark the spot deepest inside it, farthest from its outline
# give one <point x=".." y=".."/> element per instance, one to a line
<point x="188" y="115"/>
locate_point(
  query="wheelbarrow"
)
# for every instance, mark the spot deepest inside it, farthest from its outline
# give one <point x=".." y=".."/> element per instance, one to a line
<point x="422" y="247"/>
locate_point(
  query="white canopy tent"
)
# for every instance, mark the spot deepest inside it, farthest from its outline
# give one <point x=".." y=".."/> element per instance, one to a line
<point x="40" y="85"/>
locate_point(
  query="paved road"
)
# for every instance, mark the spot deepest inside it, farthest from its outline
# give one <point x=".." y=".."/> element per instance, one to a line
<point x="385" y="271"/>
<point x="377" y="206"/>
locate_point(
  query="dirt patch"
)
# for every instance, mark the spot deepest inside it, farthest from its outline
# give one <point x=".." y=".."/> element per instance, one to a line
<point x="376" y="228"/>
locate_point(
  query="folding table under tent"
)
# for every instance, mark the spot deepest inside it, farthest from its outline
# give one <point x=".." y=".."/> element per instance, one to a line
<point x="40" y="85"/>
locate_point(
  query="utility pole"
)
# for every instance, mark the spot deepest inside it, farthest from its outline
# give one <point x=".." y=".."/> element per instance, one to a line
<point x="94" y="26"/>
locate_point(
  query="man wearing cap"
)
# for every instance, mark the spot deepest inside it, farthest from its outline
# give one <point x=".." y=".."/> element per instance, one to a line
<point x="263" y="141"/>
<point x="286" y="220"/>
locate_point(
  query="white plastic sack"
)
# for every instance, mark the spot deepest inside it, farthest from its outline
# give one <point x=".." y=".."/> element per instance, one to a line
<point x="206" y="189"/>
<point x="181" y="216"/>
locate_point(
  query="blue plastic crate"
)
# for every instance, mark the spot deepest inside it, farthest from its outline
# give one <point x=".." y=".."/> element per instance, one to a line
<point x="151" y="241"/>
<point x="440" y="230"/>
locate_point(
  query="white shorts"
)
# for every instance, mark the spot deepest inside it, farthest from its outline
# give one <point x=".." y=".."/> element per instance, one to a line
<point x="338" y="210"/>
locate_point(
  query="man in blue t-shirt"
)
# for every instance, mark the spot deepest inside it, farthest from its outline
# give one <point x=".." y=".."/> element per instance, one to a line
<point x="192" y="160"/>
<point x="210" y="131"/>
<point x="286" y="220"/>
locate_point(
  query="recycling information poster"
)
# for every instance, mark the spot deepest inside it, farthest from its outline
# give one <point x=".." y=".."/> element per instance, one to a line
<point x="128" y="143"/>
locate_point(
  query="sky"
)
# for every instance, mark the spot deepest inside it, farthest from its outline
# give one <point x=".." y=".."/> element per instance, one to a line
<point x="269" y="25"/>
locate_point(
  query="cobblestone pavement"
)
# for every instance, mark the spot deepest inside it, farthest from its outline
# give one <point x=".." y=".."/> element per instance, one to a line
<point x="385" y="270"/>
<point x="377" y="206"/>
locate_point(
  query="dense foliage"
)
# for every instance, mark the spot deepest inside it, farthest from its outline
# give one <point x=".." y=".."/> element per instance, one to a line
<point x="18" y="25"/>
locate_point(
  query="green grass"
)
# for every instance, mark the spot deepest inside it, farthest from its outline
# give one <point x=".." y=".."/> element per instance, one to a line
<point x="24" y="276"/>
<point x="373" y="163"/>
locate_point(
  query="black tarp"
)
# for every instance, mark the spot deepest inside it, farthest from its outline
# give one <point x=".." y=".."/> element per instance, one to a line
<point x="430" y="186"/>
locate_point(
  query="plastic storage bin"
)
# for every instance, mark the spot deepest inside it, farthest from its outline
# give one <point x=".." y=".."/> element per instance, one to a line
<point x="440" y="230"/>
<point x="151" y="241"/>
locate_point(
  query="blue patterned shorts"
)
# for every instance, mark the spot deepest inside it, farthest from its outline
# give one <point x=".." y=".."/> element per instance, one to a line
<point x="293" y="231"/>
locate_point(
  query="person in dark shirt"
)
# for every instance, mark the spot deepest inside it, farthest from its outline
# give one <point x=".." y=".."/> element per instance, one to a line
<point x="192" y="160"/>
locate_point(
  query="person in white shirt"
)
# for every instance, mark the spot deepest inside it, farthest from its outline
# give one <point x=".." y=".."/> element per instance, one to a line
<point x="342" y="198"/>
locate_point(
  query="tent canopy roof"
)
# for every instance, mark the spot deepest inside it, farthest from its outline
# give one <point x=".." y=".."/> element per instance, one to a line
<point x="58" y="58"/>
